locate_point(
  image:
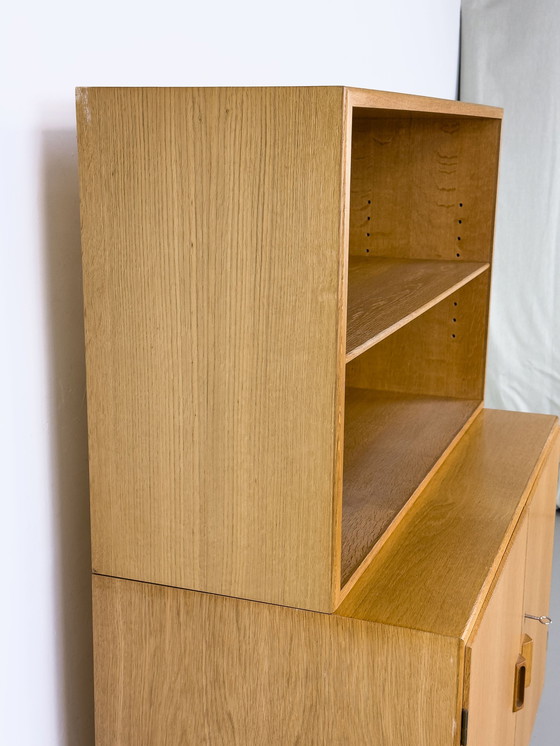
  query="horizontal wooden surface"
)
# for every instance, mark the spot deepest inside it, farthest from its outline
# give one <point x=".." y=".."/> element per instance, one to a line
<point x="213" y="344"/>
<point x="385" y="294"/>
<point x="391" y="444"/>
<point x="385" y="100"/>
<point x="182" y="668"/>
<point x="432" y="572"/>
<point x="440" y="353"/>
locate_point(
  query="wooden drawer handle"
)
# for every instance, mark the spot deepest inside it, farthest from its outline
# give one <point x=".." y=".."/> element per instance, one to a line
<point x="519" y="684"/>
<point x="527" y="653"/>
<point x="542" y="619"/>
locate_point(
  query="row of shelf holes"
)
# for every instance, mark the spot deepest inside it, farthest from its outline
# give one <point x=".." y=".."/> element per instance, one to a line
<point x="458" y="237"/>
<point x="453" y="336"/>
<point x="460" y="223"/>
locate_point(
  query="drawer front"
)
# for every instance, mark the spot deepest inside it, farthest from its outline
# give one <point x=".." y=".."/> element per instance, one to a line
<point x="494" y="652"/>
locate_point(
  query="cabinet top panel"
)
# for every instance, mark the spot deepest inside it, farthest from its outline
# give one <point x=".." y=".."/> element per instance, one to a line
<point x="370" y="102"/>
<point x="434" y="570"/>
<point x="384" y="103"/>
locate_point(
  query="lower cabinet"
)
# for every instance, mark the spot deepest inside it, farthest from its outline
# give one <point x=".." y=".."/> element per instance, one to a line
<point x="461" y="662"/>
<point x="181" y="668"/>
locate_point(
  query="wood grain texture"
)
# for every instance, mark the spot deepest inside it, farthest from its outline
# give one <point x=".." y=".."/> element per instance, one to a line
<point x="182" y="668"/>
<point x="435" y="569"/>
<point x="381" y="103"/>
<point x="392" y="442"/>
<point x="424" y="188"/>
<point x="540" y="539"/>
<point x="494" y="652"/>
<point x="211" y="227"/>
<point x="440" y="353"/>
<point x="386" y="294"/>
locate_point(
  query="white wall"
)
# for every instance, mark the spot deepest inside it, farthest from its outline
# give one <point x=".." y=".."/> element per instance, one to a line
<point x="47" y="49"/>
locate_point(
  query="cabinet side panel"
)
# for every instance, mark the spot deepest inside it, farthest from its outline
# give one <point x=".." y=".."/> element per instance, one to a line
<point x="211" y="225"/>
<point x="538" y="572"/>
<point x="180" y="667"/>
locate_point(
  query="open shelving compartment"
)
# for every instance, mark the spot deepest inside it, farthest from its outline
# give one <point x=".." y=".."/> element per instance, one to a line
<point x="421" y="219"/>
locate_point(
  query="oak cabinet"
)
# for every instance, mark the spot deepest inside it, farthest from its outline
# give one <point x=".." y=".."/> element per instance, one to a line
<point x="305" y="526"/>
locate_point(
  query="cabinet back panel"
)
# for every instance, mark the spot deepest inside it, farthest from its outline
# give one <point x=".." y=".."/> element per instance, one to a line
<point x="423" y="188"/>
<point x="211" y="245"/>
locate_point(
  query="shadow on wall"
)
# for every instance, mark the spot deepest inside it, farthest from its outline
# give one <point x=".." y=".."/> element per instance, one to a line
<point x="63" y="294"/>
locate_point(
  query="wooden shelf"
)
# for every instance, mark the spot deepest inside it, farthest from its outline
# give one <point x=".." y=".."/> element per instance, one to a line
<point x="392" y="443"/>
<point x="385" y="294"/>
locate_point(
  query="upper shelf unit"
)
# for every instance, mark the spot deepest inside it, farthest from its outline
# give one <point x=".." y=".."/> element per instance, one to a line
<point x="286" y="302"/>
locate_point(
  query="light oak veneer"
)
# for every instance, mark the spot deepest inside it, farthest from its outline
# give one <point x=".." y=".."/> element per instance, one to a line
<point x="536" y="601"/>
<point x="432" y="572"/>
<point x="392" y="445"/>
<point x="305" y="529"/>
<point x="225" y="275"/>
<point x="180" y="667"/>
<point x="386" y="294"/>
<point x="211" y="284"/>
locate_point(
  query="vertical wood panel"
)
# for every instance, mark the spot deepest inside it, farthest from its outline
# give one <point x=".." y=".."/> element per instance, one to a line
<point x="211" y="243"/>
<point x="538" y="571"/>
<point x="494" y="653"/>
<point x="181" y="668"/>
<point x="424" y="187"/>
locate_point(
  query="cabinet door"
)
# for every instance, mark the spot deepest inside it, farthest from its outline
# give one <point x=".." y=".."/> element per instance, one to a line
<point x="494" y="651"/>
<point x="537" y="589"/>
